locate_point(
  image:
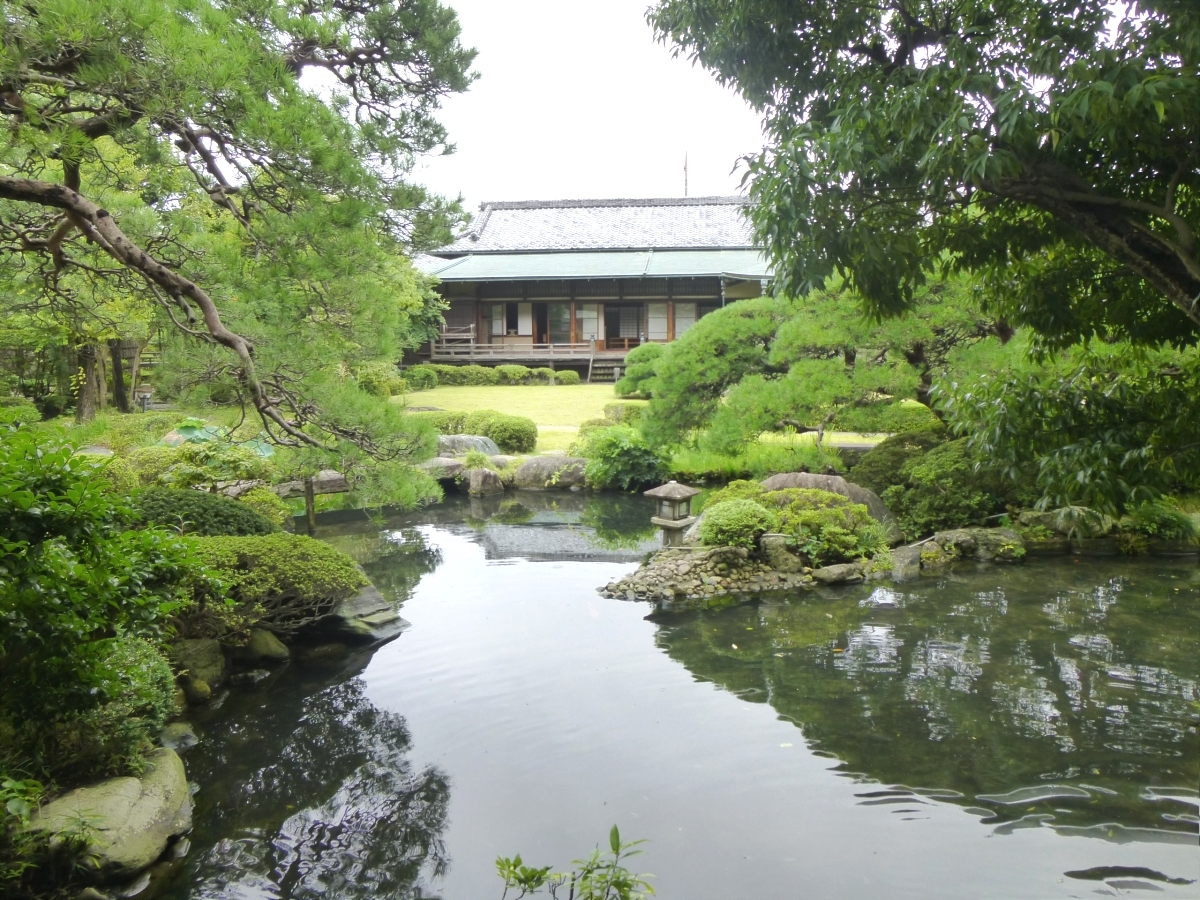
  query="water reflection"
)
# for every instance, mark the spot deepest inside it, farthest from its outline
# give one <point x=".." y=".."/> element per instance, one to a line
<point x="307" y="791"/>
<point x="1067" y="712"/>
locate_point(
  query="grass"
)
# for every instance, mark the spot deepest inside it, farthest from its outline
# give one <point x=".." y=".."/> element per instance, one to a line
<point x="558" y="410"/>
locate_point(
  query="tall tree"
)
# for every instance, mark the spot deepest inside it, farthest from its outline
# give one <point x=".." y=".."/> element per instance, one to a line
<point x="272" y="144"/>
<point x="1051" y="145"/>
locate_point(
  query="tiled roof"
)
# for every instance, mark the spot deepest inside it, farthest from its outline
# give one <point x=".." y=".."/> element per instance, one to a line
<point x="683" y="223"/>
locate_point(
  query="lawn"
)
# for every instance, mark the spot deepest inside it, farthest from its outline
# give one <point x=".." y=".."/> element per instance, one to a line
<point x="557" y="409"/>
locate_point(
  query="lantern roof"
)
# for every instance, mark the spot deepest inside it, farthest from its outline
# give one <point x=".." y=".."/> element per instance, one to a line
<point x="672" y="490"/>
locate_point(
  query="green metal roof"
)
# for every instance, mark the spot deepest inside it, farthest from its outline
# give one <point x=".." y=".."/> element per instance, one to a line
<point x="749" y="265"/>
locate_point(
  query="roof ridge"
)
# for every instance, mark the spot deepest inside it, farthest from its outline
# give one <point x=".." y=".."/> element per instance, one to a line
<point x="725" y="200"/>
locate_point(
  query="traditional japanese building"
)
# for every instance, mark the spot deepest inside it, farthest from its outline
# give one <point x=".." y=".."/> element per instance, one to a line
<point x="578" y="283"/>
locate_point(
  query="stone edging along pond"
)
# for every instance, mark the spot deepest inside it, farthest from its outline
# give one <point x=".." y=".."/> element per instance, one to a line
<point x="684" y="577"/>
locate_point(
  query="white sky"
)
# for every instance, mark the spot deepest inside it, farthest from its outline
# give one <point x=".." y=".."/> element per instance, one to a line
<point x="576" y="100"/>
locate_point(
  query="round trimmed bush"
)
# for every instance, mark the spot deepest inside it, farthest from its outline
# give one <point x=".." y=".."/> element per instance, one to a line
<point x="199" y="513"/>
<point x="567" y="376"/>
<point x="513" y="374"/>
<point x="421" y="378"/>
<point x="737" y="523"/>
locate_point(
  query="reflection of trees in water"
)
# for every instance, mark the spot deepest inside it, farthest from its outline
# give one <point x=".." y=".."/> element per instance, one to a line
<point x="1050" y="680"/>
<point x="394" y="559"/>
<point x="618" y="522"/>
<point x="315" y="796"/>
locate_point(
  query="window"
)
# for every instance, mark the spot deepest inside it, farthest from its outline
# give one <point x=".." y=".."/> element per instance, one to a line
<point x="558" y="317"/>
<point x="685" y="317"/>
<point x="630" y="321"/>
<point x="656" y="321"/>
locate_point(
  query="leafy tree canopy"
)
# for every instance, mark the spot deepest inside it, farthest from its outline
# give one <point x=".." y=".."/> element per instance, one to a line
<point x="1049" y="145"/>
<point x="243" y="166"/>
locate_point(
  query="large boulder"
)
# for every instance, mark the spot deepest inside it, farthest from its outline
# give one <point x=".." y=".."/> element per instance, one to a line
<point x="541" y="472"/>
<point x="129" y="821"/>
<point x="442" y="468"/>
<point x="983" y="544"/>
<point x="462" y="444"/>
<point x="368" y="618"/>
<point x="779" y="557"/>
<point x="483" y="481"/>
<point x="844" y="573"/>
<point x="200" y="658"/>
<point x="836" y="484"/>
<point x="262" y="646"/>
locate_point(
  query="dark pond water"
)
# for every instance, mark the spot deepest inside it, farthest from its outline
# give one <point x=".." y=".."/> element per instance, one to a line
<point x="1016" y="732"/>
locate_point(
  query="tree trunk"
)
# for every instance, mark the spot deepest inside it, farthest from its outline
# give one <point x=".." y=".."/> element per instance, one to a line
<point x="101" y="381"/>
<point x="85" y="403"/>
<point x="120" y="394"/>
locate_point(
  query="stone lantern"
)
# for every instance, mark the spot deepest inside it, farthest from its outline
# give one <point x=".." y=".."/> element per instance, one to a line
<point x="674" y="511"/>
<point x="142" y="394"/>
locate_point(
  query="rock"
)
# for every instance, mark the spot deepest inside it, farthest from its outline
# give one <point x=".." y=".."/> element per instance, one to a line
<point x="1061" y="521"/>
<point x="906" y="563"/>
<point x="90" y="893"/>
<point x="263" y="645"/>
<point x="201" y="658"/>
<point x="367" y="618"/>
<point x="442" y="468"/>
<point x="462" y="444"/>
<point x="178" y="736"/>
<point x="322" y="654"/>
<point x="983" y="544"/>
<point x="195" y="690"/>
<point x="541" y="472"/>
<point x="503" y="462"/>
<point x="779" y="557"/>
<point x="836" y="484"/>
<point x="251" y="678"/>
<point x="131" y="820"/>
<point x="483" y="481"/>
<point x="326" y="481"/>
<point x="846" y="573"/>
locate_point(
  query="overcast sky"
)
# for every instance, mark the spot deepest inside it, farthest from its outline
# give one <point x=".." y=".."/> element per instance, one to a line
<point x="577" y="100"/>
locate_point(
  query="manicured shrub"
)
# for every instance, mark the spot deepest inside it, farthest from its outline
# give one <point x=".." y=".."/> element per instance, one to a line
<point x="735" y="490"/>
<point x="208" y="462"/>
<point x="466" y="375"/>
<point x="638" y="379"/>
<point x="381" y="379"/>
<point x="567" y="376"/>
<point x="619" y="457"/>
<point x="824" y="527"/>
<point x="150" y="464"/>
<point x="199" y="513"/>
<point x="884" y="465"/>
<point x="477" y="459"/>
<point x="737" y="523"/>
<point x="443" y="422"/>
<point x="624" y="413"/>
<point x="943" y="489"/>
<point x="513" y="374"/>
<point x="542" y="375"/>
<point x="119" y="474"/>
<point x="284" y="581"/>
<point x="421" y="378"/>
<point x="512" y="434"/>
<point x="267" y="504"/>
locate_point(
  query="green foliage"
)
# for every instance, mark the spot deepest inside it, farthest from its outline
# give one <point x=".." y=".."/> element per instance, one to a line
<point x="883" y="466"/>
<point x="757" y="460"/>
<point x="18" y="847"/>
<point x="884" y="418"/>
<point x="638" y="379"/>
<point x="625" y="413"/>
<point x="120" y="475"/>
<point x="512" y="434"/>
<point x="944" y="488"/>
<point x="381" y="379"/>
<point x="735" y="490"/>
<point x="122" y="433"/>
<point x="18" y="411"/>
<point x="1106" y="427"/>
<point x="824" y="527"/>
<point x="476" y="459"/>
<point x="602" y="876"/>
<point x="513" y="374"/>
<point x="421" y="378"/>
<point x="267" y="504"/>
<point x="151" y="464"/>
<point x="199" y="513"/>
<point x="74" y="573"/>
<point x="1158" y="520"/>
<point x="567" y="376"/>
<point x="716" y="353"/>
<point x="466" y="375"/>
<point x="737" y="523"/>
<point x="883" y="167"/>
<point x="283" y="581"/>
<point x="619" y="457"/>
<point x="206" y="463"/>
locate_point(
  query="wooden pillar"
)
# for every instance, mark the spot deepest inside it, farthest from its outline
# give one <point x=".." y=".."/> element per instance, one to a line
<point x="310" y="506"/>
<point x="574" y="324"/>
<point x="670" y="320"/>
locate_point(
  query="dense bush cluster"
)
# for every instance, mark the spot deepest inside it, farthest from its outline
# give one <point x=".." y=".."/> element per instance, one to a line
<point x="426" y="376"/>
<point x="737" y="523"/>
<point x="200" y="513"/>
<point x="512" y="434"/>
<point x="883" y="466"/>
<point x="421" y="378"/>
<point x="620" y="457"/>
<point x="884" y="418"/>
<point x="18" y="411"/>
<point x="193" y="464"/>
<point x="1158" y="520"/>
<point x="381" y="379"/>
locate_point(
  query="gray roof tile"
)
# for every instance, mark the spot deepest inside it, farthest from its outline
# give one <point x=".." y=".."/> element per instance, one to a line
<point x="673" y="223"/>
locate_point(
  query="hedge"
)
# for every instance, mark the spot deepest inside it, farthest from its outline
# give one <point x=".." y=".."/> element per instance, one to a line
<point x="421" y="378"/>
<point x="199" y="512"/>
<point x="513" y="434"/>
<point x="482" y="375"/>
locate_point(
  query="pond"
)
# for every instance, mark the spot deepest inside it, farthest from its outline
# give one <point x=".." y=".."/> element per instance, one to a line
<point x="1002" y="732"/>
